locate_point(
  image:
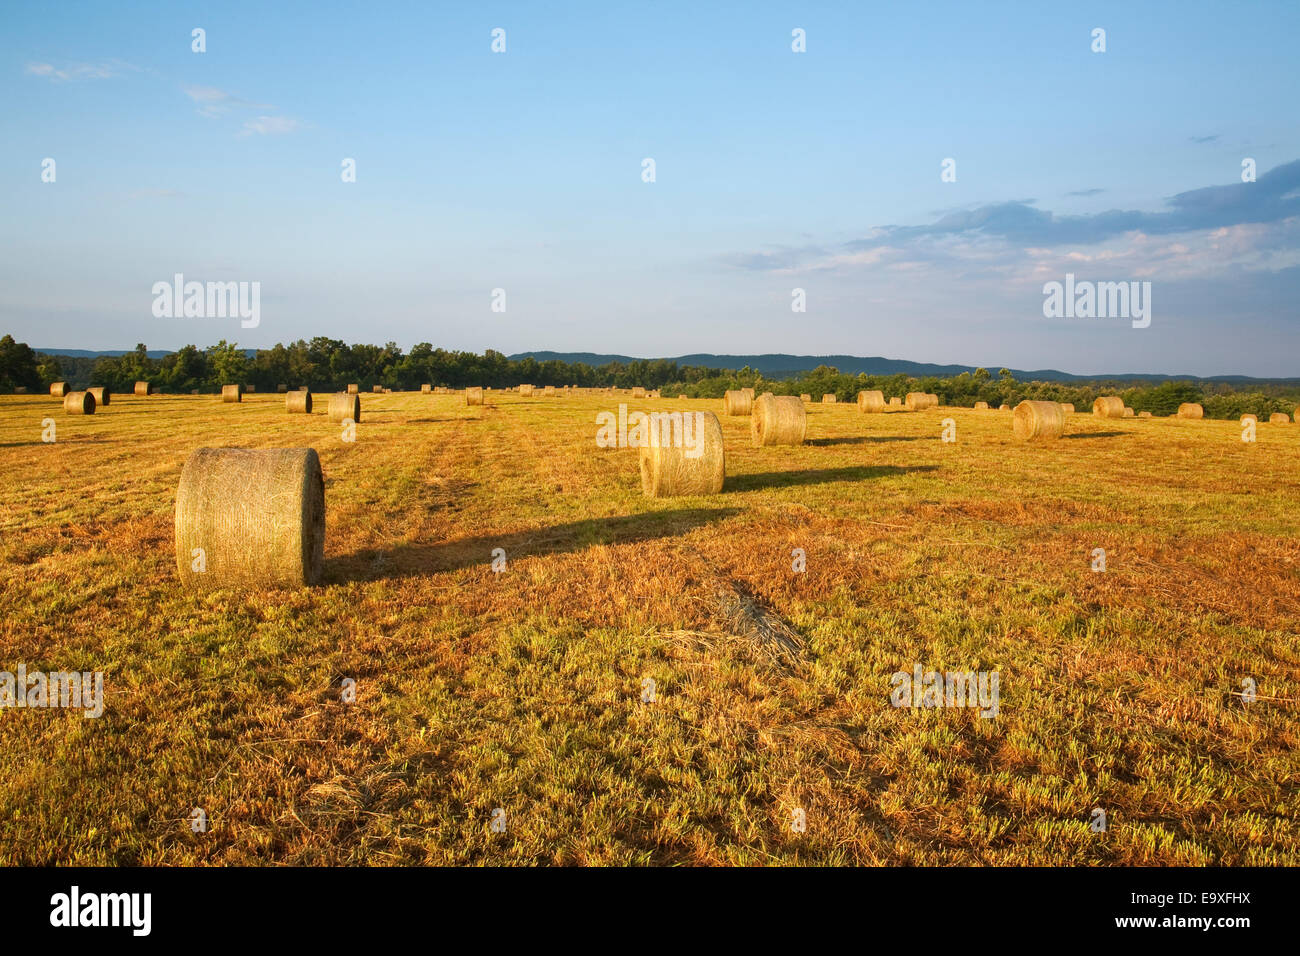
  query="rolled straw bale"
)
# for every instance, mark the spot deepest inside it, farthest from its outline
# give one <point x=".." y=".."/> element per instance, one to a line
<point x="638" y="392"/>
<point x="1297" y="413"/>
<point x="526" y="391"/>
<point x="344" y="405"/>
<point x="354" y="389"/>
<point x="1128" y="412"/>
<point x="298" y="402"/>
<point x="143" y="388"/>
<point x="805" y="397"/>
<point x="981" y="406"/>
<point x="654" y="394"/>
<point x="20" y="390"/>
<point x="828" y="398"/>
<point x="426" y="389"/>
<point x="666" y="471"/>
<point x="103" y="394"/>
<point x="232" y="393"/>
<point x="474" y="396"/>
<point x="58" y="389"/>
<point x="895" y="402"/>
<point x="915" y="401"/>
<point x="1067" y="408"/>
<point x="933" y="399"/>
<point x="377" y="389"/>
<point x="1109" y="406"/>
<point x="1004" y="407"/>
<point x="79" y="403"/>
<point x="1249" y="418"/>
<point x="749" y="392"/>
<point x="778" y="421"/>
<point x="871" y="402"/>
<point x="1144" y="414"/>
<point x="1190" y="410"/>
<point x="282" y="388"/>
<point x="737" y="402"/>
<point x="1279" y="418"/>
<point x="257" y="514"/>
<point x="680" y="397"/>
<point x="1038" y="420"/>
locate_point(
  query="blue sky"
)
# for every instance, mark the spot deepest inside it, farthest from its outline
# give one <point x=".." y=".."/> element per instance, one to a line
<point x="774" y="171"/>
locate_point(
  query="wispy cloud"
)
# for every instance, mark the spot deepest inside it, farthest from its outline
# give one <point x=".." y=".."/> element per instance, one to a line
<point x="1086" y="192"/>
<point x="80" y="71"/>
<point x="1205" y="139"/>
<point x="270" y="126"/>
<point x="214" y="102"/>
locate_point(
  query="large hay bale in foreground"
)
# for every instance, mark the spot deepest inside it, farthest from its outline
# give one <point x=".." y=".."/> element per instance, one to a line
<point x="58" y="389"/>
<point x="737" y="402"/>
<point x="1279" y="418"/>
<point x="474" y="396"/>
<point x="749" y="390"/>
<point x="143" y="388"/>
<point x="232" y="393"/>
<point x="829" y="398"/>
<point x="1032" y="420"/>
<point x="103" y="394"/>
<point x="1067" y="407"/>
<point x="344" y="405"/>
<point x="981" y="406"/>
<point x="1109" y="406"/>
<point x="298" y="403"/>
<point x="1190" y="410"/>
<point x="257" y="514"/>
<point x="667" y="472"/>
<point x="778" y="421"/>
<point x="871" y="402"/>
<point x="79" y="403"/>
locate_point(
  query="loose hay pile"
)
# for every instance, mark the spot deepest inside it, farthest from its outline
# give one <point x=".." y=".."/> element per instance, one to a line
<point x="344" y="405"/>
<point x="1108" y="406"/>
<point x="251" y="518"/>
<point x="871" y="402"/>
<point x="778" y="421"/>
<point x="737" y="402"/>
<point x="1036" y="420"/>
<point x="298" y="403"/>
<point x="667" y="472"/>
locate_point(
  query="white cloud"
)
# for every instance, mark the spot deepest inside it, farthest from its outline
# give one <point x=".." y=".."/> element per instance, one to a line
<point x="80" y="71"/>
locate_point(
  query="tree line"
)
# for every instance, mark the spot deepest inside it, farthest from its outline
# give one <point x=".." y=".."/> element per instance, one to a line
<point x="324" y="364"/>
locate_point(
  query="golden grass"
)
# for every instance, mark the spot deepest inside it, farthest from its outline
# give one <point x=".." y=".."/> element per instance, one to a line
<point x="523" y="690"/>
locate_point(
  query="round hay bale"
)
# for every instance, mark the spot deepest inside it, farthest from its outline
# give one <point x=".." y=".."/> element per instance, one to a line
<point x="377" y="389"/>
<point x="58" y="389"/>
<point x="981" y="406"/>
<point x="681" y="397"/>
<point x="828" y="398"/>
<point x="1035" y="420"/>
<point x="749" y="392"/>
<point x="1067" y="407"/>
<point x="232" y="393"/>
<point x="20" y="390"/>
<point x="638" y="392"/>
<point x="1190" y="410"/>
<point x="1144" y="414"/>
<point x="778" y="421"/>
<point x="1128" y="412"/>
<point x="1004" y="408"/>
<point x="667" y="472"/>
<point x="298" y="403"/>
<point x="526" y="391"/>
<point x="1277" y="418"/>
<point x="895" y="402"/>
<point x="344" y="405"/>
<point x="354" y="389"/>
<point x="933" y="399"/>
<point x="143" y="388"/>
<point x="257" y="514"/>
<point x="474" y="396"/>
<point x="915" y="401"/>
<point x="805" y="397"/>
<point x="103" y="394"/>
<point x="1109" y="406"/>
<point x="426" y="389"/>
<point x="871" y="402"/>
<point x="1249" y="418"/>
<point x="79" y="403"/>
<point x="737" y="402"/>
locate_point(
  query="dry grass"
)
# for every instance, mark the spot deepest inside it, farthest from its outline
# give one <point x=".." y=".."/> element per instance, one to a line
<point x="522" y="690"/>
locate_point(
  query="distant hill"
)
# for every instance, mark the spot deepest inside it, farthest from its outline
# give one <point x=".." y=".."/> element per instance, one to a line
<point x="776" y="366"/>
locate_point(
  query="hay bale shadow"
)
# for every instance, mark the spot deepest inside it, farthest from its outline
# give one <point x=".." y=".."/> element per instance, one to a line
<point x="785" y="479"/>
